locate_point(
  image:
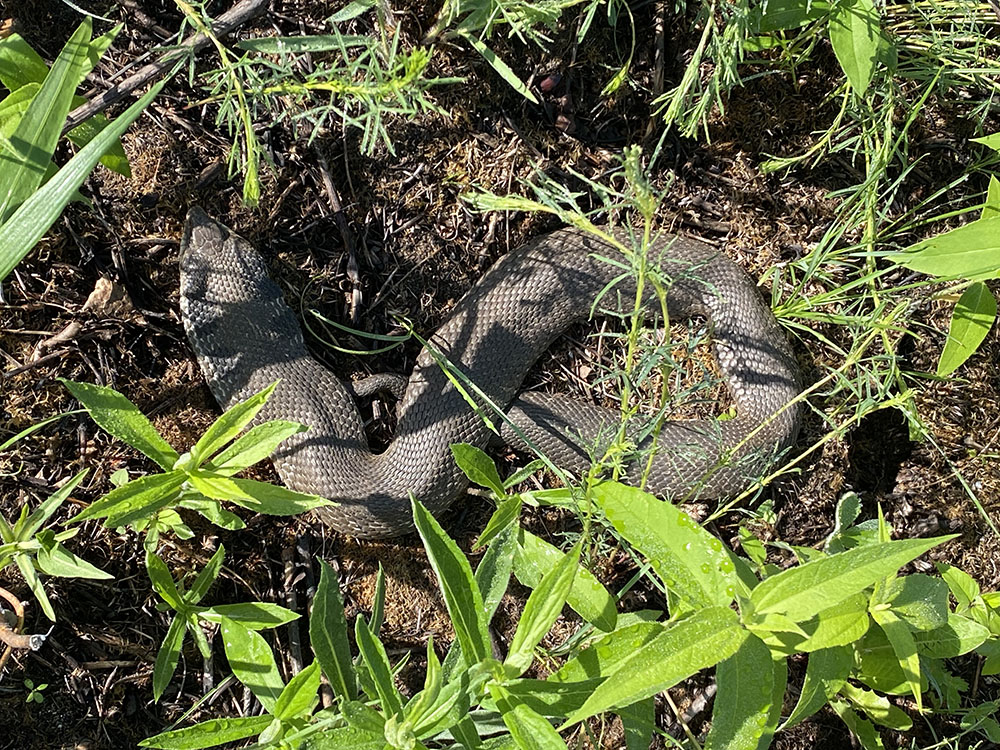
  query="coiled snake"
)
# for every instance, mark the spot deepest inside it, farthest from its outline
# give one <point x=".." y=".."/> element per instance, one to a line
<point x="245" y="338"/>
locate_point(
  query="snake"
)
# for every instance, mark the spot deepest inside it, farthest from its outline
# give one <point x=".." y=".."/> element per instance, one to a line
<point x="245" y="337"/>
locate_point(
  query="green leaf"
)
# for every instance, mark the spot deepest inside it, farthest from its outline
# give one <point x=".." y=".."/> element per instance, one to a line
<point x="255" y="445"/>
<point x="209" y="733"/>
<point x="38" y="212"/>
<point x="639" y="724"/>
<point x="855" y="34"/>
<point x="252" y="662"/>
<point x="700" y="641"/>
<point x="860" y="728"/>
<point x="962" y="586"/>
<point x="259" y="497"/>
<point x="826" y="672"/>
<point x="877" y="707"/>
<point x="587" y="596"/>
<point x="530" y="730"/>
<point x="229" y="425"/>
<point x="903" y="645"/>
<point x="419" y="705"/>
<point x="991" y="206"/>
<point x="328" y="635"/>
<point x="541" y="610"/>
<point x="40" y="515"/>
<point x="971" y="252"/>
<point x="295" y="45"/>
<point x="38" y="131"/>
<point x="498" y="65"/>
<point x="974" y="315"/>
<point x="167" y="656"/>
<point x="958" y="636"/>
<point x="990" y="141"/>
<point x="783" y="15"/>
<point x="743" y="702"/>
<point x="163" y="583"/>
<point x="212" y="510"/>
<point x="461" y="593"/>
<point x="114" y="158"/>
<point x="606" y="655"/>
<point x="299" y="695"/>
<point x="803" y="591"/>
<point x="345" y="738"/>
<point x="352" y="10"/>
<point x="119" y="416"/>
<point x="920" y="600"/>
<point x="139" y="499"/>
<point x="35" y="584"/>
<point x="206" y="577"/>
<point x="478" y="467"/>
<point x="690" y="561"/>
<point x="252" y="615"/>
<point x="20" y="65"/>
<point x="56" y="560"/>
<point x="374" y="656"/>
<point x="505" y="516"/>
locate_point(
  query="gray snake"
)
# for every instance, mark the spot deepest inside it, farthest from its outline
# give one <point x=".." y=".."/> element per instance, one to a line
<point x="245" y="338"/>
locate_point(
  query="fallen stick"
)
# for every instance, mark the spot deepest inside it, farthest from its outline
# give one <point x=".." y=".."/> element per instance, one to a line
<point x="239" y="14"/>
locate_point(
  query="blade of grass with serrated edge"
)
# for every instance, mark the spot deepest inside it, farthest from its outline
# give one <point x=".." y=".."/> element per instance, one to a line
<point x="461" y="593"/>
<point x="32" y="219"/>
<point x="39" y="129"/>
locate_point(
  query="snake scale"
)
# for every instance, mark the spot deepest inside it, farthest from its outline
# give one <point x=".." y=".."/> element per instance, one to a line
<point x="245" y="338"/>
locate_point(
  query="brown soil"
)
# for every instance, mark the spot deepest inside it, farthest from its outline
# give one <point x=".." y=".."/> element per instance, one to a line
<point x="417" y="247"/>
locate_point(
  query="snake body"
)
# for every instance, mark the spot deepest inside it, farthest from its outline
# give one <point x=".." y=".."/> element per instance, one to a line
<point x="245" y="338"/>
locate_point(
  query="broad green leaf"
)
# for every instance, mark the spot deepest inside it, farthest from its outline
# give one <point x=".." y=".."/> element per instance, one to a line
<point x="252" y="662"/>
<point x="860" y="728"/>
<point x="55" y="560"/>
<point x="139" y="499"/>
<point x="209" y="733"/>
<point x="839" y="625"/>
<point x="163" y="582"/>
<point x="782" y="15"/>
<point x="212" y="510"/>
<point x="639" y="723"/>
<point x="114" y="158"/>
<point x="855" y="34"/>
<point x="119" y="416"/>
<point x="963" y="586"/>
<point x="40" y="515"/>
<point x="690" y="561"/>
<point x="328" y="635"/>
<point x="20" y="65"/>
<point x="498" y="65"/>
<point x="24" y="564"/>
<point x="958" y="636"/>
<point x="503" y="517"/>
<point x="973" y="317"/>
<point x="207" y="576"/>
<point x="299" y="695"/>
<point x="587" y="596"/>
<point x="744" y="699"/>
<point x="252" y="615"/>
<point x="38" y="131"/>
<point x="877" y="707"/>
<point x="970" y="252"/>
<point x="229" y="425"/>
<point x="362" y="716"/>
<point x="167" y="656"/>
<point x="420" y="704"/>
<point x="990" y="141"/>
<point x="606" y="655"/>
<point x="991" y="206"/>
<point x="478" y="467"/>
<point x="259" y="497"/>
<point x="541" y="610"/>
<point x="374" y="656"/>
<point x="530" y="730"/>
<point x="918" y="599"/>
<point x="255" y="445"/>
<point x="352" y="10"/>
<point x="32" y="219"/>
<point x="13" y="107"/>
<point x="460" y="590"/>
<point x="700" y="641"/>
<point x="826" y="673"/>
<point x="901" y="639"/>
<point x="345" y="738"/>
<point x="550" y="698"/>
<point x="803" y="591"/>
<point x="295" y="45"/>
<point x="451" y="706"/>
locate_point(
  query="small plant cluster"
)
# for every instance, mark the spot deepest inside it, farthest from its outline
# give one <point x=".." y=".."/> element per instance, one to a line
<point x="33" y="190"/>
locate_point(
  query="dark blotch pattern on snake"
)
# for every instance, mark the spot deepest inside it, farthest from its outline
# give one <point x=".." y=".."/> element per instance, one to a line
<point x="245" y="338"/>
